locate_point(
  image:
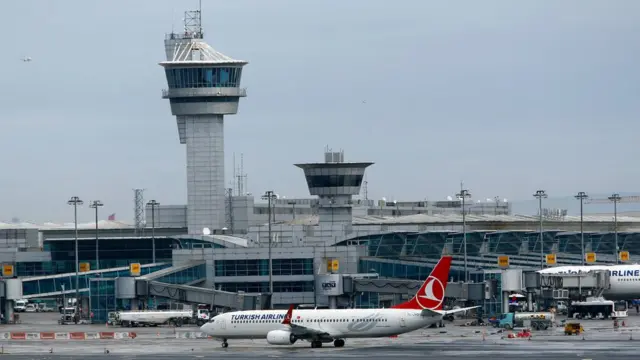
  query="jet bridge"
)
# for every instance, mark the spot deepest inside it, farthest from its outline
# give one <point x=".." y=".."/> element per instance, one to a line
<point x="176" y="283"/>
<point x="569" y="286"/>
<point x="198" y="295"/>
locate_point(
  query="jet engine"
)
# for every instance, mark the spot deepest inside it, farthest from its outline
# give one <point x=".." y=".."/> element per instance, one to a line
<point x="280" y="337"/>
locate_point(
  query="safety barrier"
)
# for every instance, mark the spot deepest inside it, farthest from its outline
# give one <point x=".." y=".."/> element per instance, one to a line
<point x="192" y="335"/>
<point x="77" y="335"/>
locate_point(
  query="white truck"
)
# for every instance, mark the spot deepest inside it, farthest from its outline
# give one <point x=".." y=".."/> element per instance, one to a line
<point x="20" y="305"/>
<point x="154" y="317"/>
<point x="202" y="316"/>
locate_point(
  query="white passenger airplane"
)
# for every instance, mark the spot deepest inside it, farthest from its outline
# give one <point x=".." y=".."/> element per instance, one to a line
<point x="335" y="325"/>
<point x="624" y="280"/>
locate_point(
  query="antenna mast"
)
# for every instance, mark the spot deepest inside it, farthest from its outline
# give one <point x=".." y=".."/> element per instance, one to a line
<point x="193" y="23"/>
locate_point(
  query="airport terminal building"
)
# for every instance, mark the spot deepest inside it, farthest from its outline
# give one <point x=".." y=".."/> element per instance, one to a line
<point x="331" y="243"/>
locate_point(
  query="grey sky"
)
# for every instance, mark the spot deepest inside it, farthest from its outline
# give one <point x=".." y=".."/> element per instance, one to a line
<point x="509" y="96"/>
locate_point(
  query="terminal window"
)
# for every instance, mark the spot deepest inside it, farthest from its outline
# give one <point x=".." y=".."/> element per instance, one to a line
<point x="260" y="267"/>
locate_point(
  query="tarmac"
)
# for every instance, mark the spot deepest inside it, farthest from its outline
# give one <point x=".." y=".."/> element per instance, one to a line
<point x="600" y="341"/>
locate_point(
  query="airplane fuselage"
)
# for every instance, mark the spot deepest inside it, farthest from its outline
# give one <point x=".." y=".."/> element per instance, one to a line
<point x="338" y="323"/>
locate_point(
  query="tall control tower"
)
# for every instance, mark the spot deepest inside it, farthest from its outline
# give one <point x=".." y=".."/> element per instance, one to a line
<point x="203" y="87"/>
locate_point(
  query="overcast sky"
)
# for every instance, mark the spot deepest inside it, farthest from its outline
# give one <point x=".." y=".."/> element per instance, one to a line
<point x="509" y="96"/>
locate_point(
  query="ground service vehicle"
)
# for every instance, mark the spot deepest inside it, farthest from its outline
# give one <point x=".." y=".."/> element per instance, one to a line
<point x="573" y="328"/>
<point x="536" y="320"/>
<point x="20" y="306"/>
<point x="154" y="317"/>
<point x="69" y="316"/>
<point x="595" y="308"/>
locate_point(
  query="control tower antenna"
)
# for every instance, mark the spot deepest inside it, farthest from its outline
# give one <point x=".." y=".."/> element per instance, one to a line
<point x="241" y="178"/>
<point x="193" y="22"/>
<point x="365" y="190"/>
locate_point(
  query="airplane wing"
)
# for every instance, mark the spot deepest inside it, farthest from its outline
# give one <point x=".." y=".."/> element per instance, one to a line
<point x="303" y="332"/>
<point x="436" y="313"/>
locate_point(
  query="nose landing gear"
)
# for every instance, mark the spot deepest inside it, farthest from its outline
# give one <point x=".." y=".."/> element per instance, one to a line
<point x="225" y="344"/>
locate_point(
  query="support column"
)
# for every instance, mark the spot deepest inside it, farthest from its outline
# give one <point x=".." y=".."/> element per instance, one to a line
<point x="333" y="302"/>
<point x="8" y="310"/>
<point x="505" y="301"/>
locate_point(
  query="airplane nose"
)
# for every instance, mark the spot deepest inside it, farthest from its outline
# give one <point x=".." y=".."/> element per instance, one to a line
<point x="204" y="328"/>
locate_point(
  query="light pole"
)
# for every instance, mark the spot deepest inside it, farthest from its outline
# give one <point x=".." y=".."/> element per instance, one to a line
<point x="269" y="195"/>
<point x="463" y="195"/>
<point x="75" y="201"/>
<point x="153" y="205"/>
<point x="95" y="205"/>
<point x="582" y="196"/>
<point x="615" y="198"/>
<point x="541" y="194"/>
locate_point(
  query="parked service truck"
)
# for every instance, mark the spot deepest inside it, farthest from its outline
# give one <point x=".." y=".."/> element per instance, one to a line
<point x="535" y="320"/>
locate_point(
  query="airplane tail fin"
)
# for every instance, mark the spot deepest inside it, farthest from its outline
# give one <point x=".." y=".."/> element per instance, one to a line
<point x="431" y="293"/>
<point x="288" y="317"/>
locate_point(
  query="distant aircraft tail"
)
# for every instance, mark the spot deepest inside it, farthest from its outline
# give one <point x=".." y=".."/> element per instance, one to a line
<point x="430" y="296"/>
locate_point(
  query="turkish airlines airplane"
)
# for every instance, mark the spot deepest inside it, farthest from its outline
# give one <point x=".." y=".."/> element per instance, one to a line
<point x="336" y="325"/>
<point x="624" y="280"/>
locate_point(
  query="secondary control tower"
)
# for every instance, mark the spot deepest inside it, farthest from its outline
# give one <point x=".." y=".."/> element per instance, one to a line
<point x="203" y="87"/>
<point x="334" y="182"/>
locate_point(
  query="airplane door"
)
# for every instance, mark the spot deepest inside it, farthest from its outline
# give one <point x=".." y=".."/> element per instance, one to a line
<point x="223" y="324"/>
<point x="402" y="321"/>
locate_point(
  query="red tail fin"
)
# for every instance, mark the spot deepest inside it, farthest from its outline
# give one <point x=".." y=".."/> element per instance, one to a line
<point x="431" y="293"/>
<point x="287" y="318"/>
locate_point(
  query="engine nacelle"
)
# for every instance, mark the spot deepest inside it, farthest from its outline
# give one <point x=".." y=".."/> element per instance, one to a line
<point x="280" y="337"/>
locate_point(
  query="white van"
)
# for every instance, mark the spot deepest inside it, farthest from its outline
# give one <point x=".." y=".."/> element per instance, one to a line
<point x="20" y="306"/>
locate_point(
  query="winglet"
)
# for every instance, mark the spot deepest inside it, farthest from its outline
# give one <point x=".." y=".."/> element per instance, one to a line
<point x="287" y="318"/>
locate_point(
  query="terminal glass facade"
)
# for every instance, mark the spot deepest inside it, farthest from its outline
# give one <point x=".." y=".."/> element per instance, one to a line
<point x="426" y="244"/>
<point x="263" y="287"/>
<point x="260" y="267"/>
<point x="44" y="285"/>
<point x="113" y="253"/>
<point x="396" y="269"/>
<point x="185" y="276"/>
<point x="209" y="77"/>
<point x="102" y="299"/>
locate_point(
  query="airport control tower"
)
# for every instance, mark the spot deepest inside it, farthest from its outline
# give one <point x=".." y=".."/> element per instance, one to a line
<point x="334" y="182"/>
<point x="203" y="87"/>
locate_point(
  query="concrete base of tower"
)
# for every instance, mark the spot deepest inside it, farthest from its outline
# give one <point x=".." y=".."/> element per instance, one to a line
<point x="204" y="138"/>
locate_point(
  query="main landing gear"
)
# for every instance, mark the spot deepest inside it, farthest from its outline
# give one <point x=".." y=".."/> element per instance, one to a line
<point x="318" y="344"/>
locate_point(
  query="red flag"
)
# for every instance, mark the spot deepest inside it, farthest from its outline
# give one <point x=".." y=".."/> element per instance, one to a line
<point x="112" y="217"/>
